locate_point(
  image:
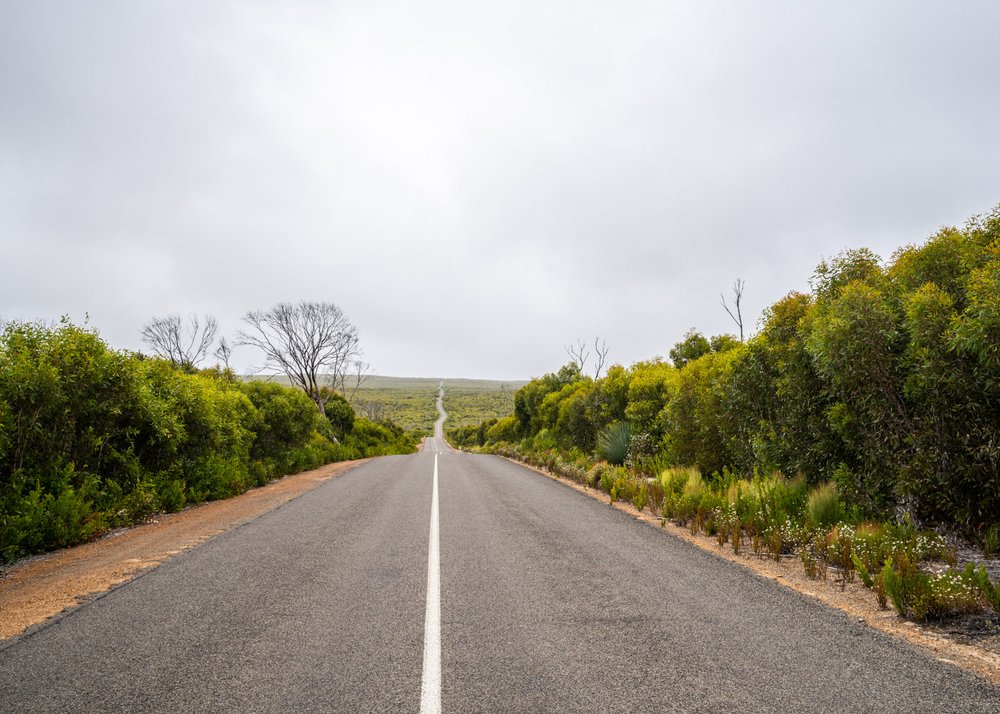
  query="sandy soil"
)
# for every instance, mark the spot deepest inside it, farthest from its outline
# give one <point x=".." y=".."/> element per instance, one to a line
<point x="35" y="589"/>
<point x="948" y="644"/>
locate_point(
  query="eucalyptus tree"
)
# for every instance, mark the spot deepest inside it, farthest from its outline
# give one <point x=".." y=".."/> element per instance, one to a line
<point x="311" y="343"/>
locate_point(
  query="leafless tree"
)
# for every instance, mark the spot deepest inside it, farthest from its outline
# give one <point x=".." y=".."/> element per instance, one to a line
<point x="224" y="352"/>
<point x="507" y="396"/>
<point x="578" y="354"/>
<point x="737" y="298"/>
<point x="185" y="345"/>
<point x="601" y="355"/>
<point x="313" y="343"/>
<point x="372" y="410"/>
<point x="358" y="378"/>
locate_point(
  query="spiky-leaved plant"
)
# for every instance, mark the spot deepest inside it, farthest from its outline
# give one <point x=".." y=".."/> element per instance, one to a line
<point x="613" y="441"/>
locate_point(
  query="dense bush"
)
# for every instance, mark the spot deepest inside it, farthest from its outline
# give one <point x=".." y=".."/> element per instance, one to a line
<point x="92" y="438"/>
<point x="880" y="390"/>
<point x="885" y="379"/>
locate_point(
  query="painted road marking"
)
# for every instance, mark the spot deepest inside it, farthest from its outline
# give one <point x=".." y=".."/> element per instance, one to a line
<point x="430" y="687"/>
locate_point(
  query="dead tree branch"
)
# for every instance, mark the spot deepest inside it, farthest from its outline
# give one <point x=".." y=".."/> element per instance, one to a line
<point x="184" y="345"/>
<point x="601" y="355"/>
<point x="578" y="354"/>
<point x="737" y="298"/>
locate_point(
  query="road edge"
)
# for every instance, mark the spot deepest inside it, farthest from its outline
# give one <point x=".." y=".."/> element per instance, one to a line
<point x="970" y="658"/>
<point x="55" y="574"/>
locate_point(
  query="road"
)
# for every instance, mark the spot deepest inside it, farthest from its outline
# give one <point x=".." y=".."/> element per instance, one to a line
<point x="548" y="601"/>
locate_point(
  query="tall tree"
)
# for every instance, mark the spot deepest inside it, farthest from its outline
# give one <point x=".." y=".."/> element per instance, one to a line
<point x="312" y="343"/>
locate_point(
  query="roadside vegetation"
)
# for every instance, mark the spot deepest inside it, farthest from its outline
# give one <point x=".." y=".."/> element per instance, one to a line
<point x="409" y="402"/>
<point x="473" y="401"/>
<point x="860" y="416"/>
<point x="93" y="438"/>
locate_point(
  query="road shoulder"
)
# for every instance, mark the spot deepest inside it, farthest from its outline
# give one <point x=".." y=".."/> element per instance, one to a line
<point x="37" y="589"/>
<point x="854" y="599"/>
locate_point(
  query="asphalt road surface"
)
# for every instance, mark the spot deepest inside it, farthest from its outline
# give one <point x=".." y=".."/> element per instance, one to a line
<point x="547" y="601"/>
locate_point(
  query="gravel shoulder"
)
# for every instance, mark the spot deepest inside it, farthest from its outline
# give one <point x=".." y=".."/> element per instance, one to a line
<point x="36" y="589"/>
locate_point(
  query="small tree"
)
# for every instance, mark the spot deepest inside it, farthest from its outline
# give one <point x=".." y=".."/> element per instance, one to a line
<point x="184" y="345"/>
<point x="693" y="346"/>
<point x="312" y="343"/>
<point x="359" y="375"/>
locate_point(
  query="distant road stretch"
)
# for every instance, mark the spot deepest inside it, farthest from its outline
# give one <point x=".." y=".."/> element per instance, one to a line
<point x="510" y="593"/>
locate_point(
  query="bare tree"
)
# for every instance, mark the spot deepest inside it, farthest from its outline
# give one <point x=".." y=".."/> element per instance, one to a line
<point x="507" y="397"/>
<point x="358" y="378"/>
<point x="600" y="354"/>
<point x="578" y="354"/>
<point x="373" y="410"/>
<point x="313" y="343"/>
<point x="185" y="345"/>
<point x="737" y="298"/>
<point x="224" y="352"/>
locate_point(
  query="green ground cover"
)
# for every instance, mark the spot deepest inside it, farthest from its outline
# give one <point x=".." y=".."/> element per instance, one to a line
<point x="471" y="401"/>
<point x="410" y="401"/>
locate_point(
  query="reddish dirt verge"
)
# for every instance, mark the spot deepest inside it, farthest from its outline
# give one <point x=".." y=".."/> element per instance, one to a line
<point x="852" y="598"/>
<point x="36" y="589"/>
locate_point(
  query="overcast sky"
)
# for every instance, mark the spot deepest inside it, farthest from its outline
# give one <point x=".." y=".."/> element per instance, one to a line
<point x="478" y="184"/>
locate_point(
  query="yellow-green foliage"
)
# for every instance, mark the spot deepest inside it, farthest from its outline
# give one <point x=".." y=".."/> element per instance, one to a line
<point x="823" y="507"/>
<point x="882" y="379"/>
<point x="93" y="438"/>
<point x="695" y="488"/>
<point x="651" y="385"/>
<point x="470" y="401"/>
<point x="411" y="407"/>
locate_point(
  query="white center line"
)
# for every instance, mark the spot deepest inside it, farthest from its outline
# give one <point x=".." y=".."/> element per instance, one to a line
<point x="430" y="687"/>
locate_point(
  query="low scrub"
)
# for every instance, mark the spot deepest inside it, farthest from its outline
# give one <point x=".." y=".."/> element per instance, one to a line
<point x="777" y="517"/>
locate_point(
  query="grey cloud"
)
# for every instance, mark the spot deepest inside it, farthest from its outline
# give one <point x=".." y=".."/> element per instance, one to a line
<point x="528" y="173"/>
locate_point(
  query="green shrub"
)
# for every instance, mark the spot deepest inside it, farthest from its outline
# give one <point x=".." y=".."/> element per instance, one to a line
<point x="950" y="593"/>
<point x="692" y="497"/>
<point x="93" y="438"/>
<point x="907" y="587"/>
<point x="640" y="496"/>
<point x="284" y="421"/>
<point x="989" y="592"/>
<point x="339" y="413"/>
<point x="823" y="507"/>
<point x="504" y="430"/>
<point x="607" y="476"/>
<point x="382" y="438"/>
<point x="991" y="541"/>
<point x="613" y="442"/>
<point x="173" y="495"/>
<point x="862" y="570"/>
